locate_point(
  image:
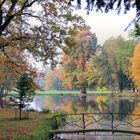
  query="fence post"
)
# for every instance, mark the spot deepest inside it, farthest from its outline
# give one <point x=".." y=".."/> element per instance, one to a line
<point x="83" y="120"/>
<point x="112" y="120"/>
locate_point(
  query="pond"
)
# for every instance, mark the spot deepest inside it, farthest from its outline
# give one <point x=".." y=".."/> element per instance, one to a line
<point x="95" y="104"/>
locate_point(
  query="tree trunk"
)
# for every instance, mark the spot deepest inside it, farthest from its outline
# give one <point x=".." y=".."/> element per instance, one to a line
<point x="83" y="90"/>
<point x="20" y="115"/>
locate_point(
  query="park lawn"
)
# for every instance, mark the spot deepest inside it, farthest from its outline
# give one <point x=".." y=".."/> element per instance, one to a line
<point x="54" y="92"/>
<point x="10" y="128"/>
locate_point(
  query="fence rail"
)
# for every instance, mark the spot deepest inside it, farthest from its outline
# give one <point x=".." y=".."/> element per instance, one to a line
<point x="99" y="122"/>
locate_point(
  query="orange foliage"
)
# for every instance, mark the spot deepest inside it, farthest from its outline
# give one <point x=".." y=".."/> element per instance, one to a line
<point x="12" y="64"/>
<point x="81" y="46"/>
<point x="135" y="67"/>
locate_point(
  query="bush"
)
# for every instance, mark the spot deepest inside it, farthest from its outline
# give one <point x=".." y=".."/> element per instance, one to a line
<point x="56" y="120"/>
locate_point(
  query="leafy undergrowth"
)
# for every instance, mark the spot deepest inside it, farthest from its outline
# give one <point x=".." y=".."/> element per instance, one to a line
<point x="11" y="129"/>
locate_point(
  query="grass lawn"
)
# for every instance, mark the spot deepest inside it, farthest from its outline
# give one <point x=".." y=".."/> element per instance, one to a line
<point x="10" y="128"/>
<point x="53" y="92"/>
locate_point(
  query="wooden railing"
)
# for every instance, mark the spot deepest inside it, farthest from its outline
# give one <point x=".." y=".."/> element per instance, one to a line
<point x="99" y="122"/>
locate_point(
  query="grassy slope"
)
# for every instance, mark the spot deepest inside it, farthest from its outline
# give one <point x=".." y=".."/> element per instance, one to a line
<point x="10" y="128"/>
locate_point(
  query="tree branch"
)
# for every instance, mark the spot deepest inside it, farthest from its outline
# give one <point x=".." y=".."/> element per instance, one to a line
<point x="2" y="3"/>
<point x="8" y="17"/>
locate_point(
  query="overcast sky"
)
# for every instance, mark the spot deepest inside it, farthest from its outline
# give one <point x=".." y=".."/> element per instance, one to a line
<point x="107" y="25"/>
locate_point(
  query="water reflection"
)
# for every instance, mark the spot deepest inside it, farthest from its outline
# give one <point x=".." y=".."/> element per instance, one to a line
<point x="93" y="104"/>
<point x="78" y="104"/>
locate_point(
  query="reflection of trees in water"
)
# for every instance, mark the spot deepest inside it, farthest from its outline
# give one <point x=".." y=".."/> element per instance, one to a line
<point x="57" y="99"/>
<point x="84" y="103"/>
<point x="79" y="104"/>
<point x="125" y="107"/>
<point x="76" y="104"/>
<point x="102" y="104"/>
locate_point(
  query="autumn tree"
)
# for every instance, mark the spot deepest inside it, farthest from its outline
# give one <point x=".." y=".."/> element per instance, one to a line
<point x="112" y="64"/>
<point x="32" y="28"/>
<point x="135" y="67"/>
<point x="76" y="56"/>
<point x="10" y="68"/>
<point x="35" y="27"/>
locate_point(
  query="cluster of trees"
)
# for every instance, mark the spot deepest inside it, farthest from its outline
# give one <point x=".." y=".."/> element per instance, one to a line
<point x="38" y="28"/>
<point x="86" y="65"/>
<point x="10" y="71"/>
<point x="113" y="63"/>
<point x="31" y="29"/>
<point x="76" y="57"/>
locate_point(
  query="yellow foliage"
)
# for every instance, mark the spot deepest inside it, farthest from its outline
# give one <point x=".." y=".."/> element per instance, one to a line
<point x="135" y="67"/>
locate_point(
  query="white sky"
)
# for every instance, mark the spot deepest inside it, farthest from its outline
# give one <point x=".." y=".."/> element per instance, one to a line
<point x="107" y="25"/>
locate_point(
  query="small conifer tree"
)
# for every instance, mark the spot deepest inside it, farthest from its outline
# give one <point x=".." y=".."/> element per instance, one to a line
<point x="25" y="92"/>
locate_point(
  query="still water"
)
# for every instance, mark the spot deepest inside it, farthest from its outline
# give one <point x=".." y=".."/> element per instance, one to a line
<point x="95" y="104"/>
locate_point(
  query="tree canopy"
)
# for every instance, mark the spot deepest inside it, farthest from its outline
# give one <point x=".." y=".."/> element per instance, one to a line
<point x="112" y="64"/>
<point x="76" y="57"/>
<point x="36" y="27"/>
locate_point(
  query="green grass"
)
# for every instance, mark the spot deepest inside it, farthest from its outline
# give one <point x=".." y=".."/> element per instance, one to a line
<point x="10" y="128"/>
<point x="54" y="92"/>
<point x="37" y="127"/>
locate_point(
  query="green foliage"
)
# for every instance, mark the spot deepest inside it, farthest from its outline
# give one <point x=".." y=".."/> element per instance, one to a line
<point x="25" y="90"/>
<point x="39" y="135"/>
<point x="135" y="32"/>
<point x="53" y="121"/>
<point x="124" y="55"/>
<point x="24" y="85"/>
<point x="112" y="64"/>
